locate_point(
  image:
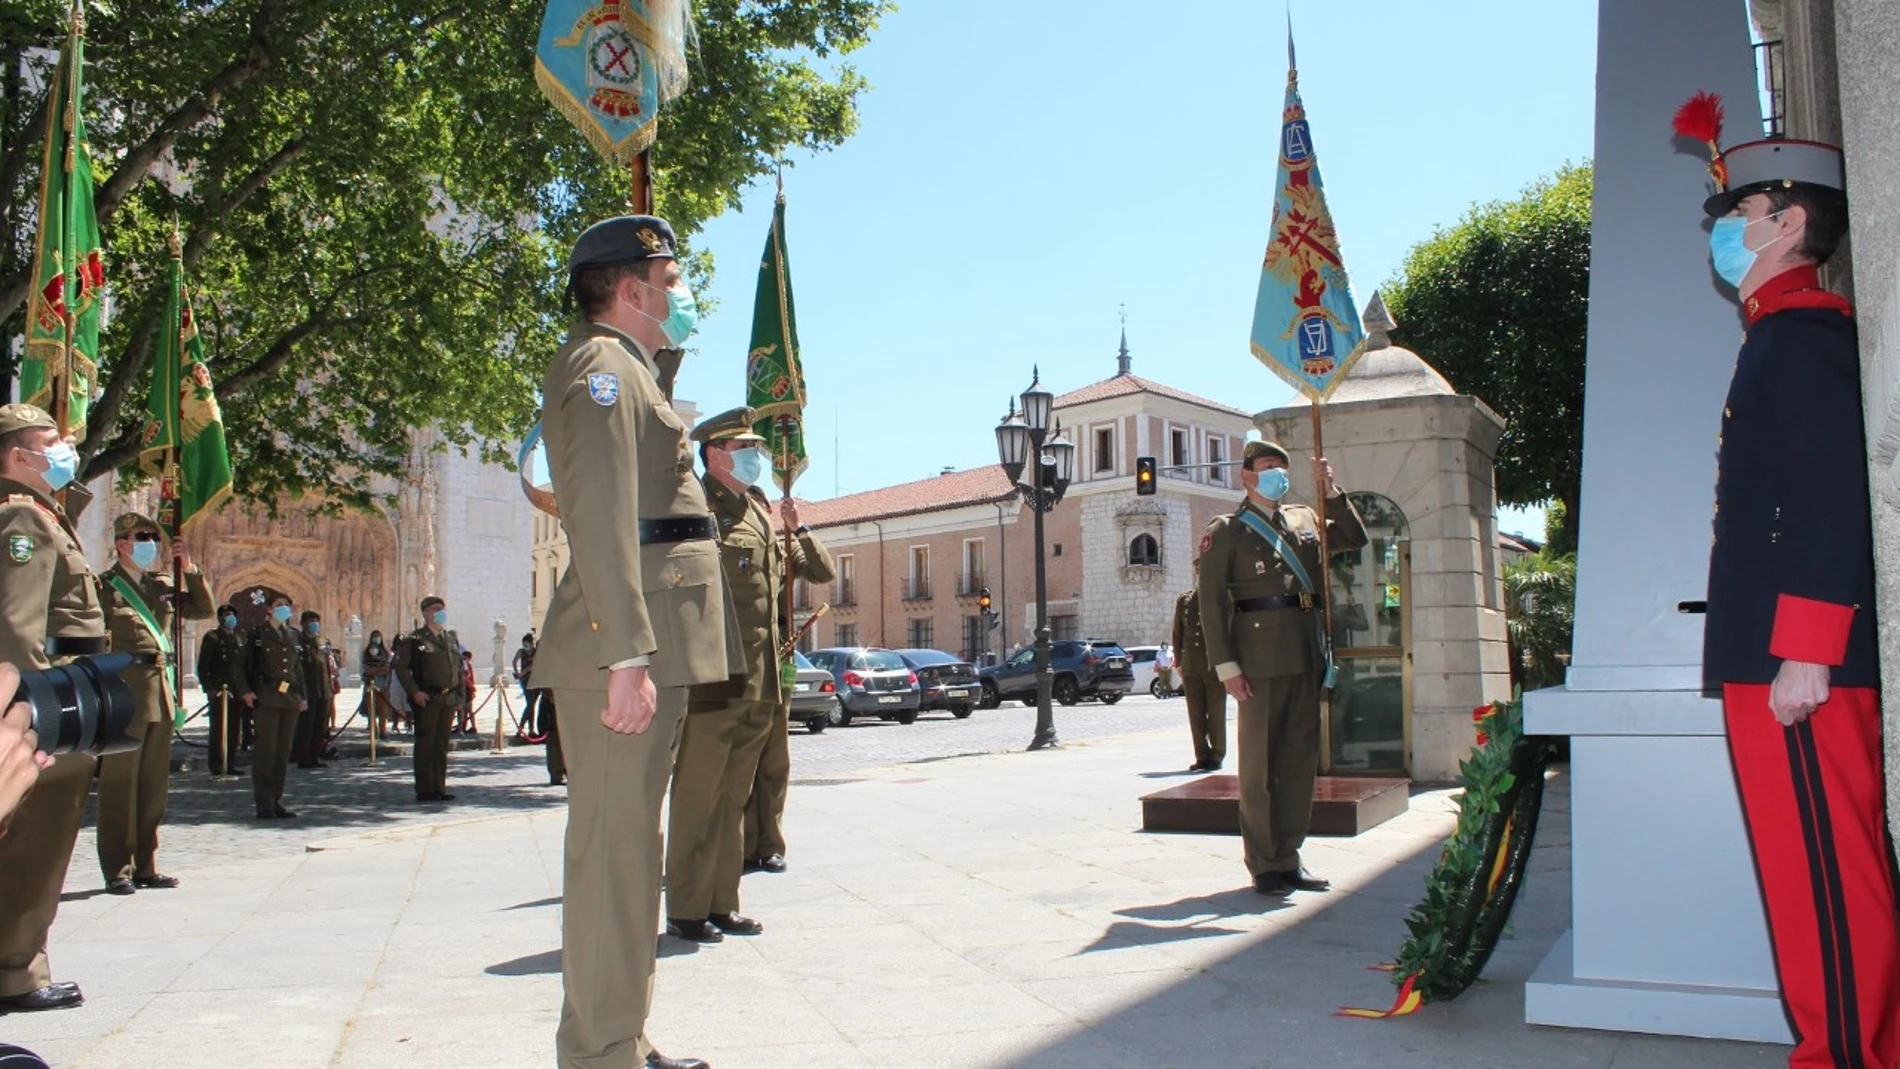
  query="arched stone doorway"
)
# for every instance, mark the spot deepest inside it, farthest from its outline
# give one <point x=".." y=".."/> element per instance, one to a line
<point x="1368" y="726"/>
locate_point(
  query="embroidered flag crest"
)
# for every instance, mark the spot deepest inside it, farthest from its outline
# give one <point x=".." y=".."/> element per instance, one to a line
<point x="604" y="388"/>
<point x="608" y="65"/>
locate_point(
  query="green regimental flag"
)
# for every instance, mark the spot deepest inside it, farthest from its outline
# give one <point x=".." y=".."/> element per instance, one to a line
<point x="62" y="335"/>
<point x="182" y="414"/>
<point x="775" y="384"/>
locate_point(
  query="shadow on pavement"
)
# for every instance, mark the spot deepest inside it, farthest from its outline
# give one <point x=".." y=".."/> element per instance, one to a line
<point x="544" y="963"/>
<point x="536" y="904"/>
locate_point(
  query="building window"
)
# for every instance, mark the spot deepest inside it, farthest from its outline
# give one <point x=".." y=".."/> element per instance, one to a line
<point x="917" y="587"/>
<point x="973" y="636"/>
<point x="1105" y="449"/>
<point x="1064" y="628"/>
<point x="801" y="595"/>
<point x="845" y="592"/>
<point x="1055" y="550"/>
<point x="1144" y="550"/>
<point x="972" y="579"/>
<point x="845" y="635"/>
<point x="921" y="633"/>
<point x="1216" y="455"/>
<point x="1178" y="455"/>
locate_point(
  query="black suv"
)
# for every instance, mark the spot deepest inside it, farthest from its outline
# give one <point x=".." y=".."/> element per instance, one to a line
<point x="948" y="683"/>
<point x="1079" y="668"/>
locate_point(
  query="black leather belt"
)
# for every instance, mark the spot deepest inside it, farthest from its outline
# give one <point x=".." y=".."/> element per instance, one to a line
<point x="76" y="645"/>
<point x="676" y="529"/>
<point x="1281" y="601"/>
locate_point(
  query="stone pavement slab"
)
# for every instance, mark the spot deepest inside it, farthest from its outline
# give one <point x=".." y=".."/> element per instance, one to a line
<point x="982" y="912"/>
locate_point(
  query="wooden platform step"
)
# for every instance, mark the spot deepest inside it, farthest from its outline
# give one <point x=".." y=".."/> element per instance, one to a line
<point x="1342" y="805"/>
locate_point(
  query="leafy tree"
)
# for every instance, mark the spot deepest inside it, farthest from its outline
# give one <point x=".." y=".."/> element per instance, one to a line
<point x="1498" y="304"/>
<point x="376" y="200"/>
<point x="1540" y="595"/>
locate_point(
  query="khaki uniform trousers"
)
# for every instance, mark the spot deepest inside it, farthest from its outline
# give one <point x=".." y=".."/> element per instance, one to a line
<point x="433" y="722"/>
<point x="132" y="790"/>
<point x="1207" y="716"/>
<point x="765" y="811"/>
<point x="610" y="916"/>
<point x="705" y="828"/>
<point x="34" y="853"/>
<point x="1279" y="759"/>
<point x="270" y="757"/>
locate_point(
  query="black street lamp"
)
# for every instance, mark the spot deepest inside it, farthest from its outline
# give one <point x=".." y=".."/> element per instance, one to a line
<point x="1020" y="438"/>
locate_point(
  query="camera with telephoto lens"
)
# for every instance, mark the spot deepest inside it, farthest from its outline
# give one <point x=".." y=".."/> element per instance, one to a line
<point x="83" y="706"/>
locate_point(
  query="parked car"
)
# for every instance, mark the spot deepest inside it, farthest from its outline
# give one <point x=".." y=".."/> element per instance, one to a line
<point x="947" y="682"/>
<point x="1142" y="660"/>
<point x="814" y="696"/>
<point x="871" y="682"/>
<point x="1080" y="668"/>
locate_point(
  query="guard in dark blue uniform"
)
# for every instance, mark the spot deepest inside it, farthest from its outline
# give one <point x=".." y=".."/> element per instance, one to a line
<point x="1790" y="632"/>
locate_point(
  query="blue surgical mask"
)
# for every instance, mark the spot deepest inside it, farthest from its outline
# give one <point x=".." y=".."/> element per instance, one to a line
<point x="1274" y="484"/>
<point x="230" y="623"/>
<point x="62" y="464"/>
<point x="748" y="465"/>
<point x="281" y="614"/>
<point x="682" y="314"/>
<point x="144" y="554"/>
<point x="313" y="627"/>
<point x="1728" y="247"/>
<point x="440" y="616"/>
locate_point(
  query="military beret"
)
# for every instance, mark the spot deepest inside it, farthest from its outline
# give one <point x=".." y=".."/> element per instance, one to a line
<point x="432" y="601"/>
<point x="625" y="239"/>
<point x="732" y="425"/>
<point x="128" y="522"/>
<point x="309" y="615"/>
<point x="1256" y="450"/>
<point x="20" y="417"/>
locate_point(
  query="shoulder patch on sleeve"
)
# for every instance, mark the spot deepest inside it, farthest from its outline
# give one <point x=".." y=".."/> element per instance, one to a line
<point x="603" y="387"/>
<point x="1207" y="541"/>
<point x="20" y="548"/>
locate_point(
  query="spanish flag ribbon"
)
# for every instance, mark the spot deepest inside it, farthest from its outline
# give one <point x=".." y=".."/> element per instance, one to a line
<point x="1408" y="1003"/>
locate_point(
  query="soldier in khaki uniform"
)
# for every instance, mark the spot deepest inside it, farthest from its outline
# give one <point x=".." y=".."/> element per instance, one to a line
<point x="428" y="666"/>
<point x="273" y="664"/>
<point x="1206" y="698"/>
<point x="728" y="723"/>
<point x="640" y="615"/>
<point x="139" y="602"/>
<point x="221" y="674"/>
<point x="49" y="614"/>
<point x="312" y="736"/>
<point x="1264" y="639"/>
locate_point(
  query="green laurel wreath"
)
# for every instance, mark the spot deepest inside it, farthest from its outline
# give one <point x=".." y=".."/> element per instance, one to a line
<point x="1469" y="894"/>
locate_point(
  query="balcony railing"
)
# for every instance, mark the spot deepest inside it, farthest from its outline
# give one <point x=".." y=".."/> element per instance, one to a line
<point x="846" y="594"/>
<point x="801" y="598"/>
<point x="970" y="584"/>
<point x="917" y="588"/>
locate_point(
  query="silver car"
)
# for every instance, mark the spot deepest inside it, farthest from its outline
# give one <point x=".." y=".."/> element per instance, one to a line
<point x="814" y="696"/>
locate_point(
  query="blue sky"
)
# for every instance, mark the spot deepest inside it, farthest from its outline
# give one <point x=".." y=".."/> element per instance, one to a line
<point x="1023" y="170"/>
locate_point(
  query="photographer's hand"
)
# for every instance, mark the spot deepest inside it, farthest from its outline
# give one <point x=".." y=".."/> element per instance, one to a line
<point x="20" y="759"/>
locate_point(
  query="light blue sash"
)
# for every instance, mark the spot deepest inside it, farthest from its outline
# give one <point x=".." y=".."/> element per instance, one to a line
<point x="1258" y="525"/>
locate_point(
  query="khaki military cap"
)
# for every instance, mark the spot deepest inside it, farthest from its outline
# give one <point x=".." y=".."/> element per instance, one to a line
<point x="1256" y="450"/>
<point x="133" y="521"/>
<point x="20" y="417"/>
<point x="732" y="425"/>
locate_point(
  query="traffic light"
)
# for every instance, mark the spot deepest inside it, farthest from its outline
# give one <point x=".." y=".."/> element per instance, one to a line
<point x="983" y="599"/>
<point x="1144" y="476"/>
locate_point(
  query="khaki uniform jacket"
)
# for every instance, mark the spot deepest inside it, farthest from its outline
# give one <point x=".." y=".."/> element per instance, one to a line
<point x="619" y="454"/>
<point x="1190" y="643"/>
<point x="221" y="661"/>
<point x="274" y="664"/>
<point x="1237" y="564"/>
<point x="130" y="635"/>
<point x="46" y="586"/>
<point x="431" y="662"/>
<point x="317" y="683"/>
<point x="754" y="562"/>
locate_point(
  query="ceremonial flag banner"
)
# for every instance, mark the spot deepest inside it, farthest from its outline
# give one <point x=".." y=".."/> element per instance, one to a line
<point x="1305" y="325"/>
<point x="62" y="330"/>
<point x="182" y="413"/>
<point x="608" y="65"/>
<point x="775" y="384"/>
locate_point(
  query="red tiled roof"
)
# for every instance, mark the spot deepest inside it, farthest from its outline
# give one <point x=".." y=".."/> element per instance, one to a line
<point x="977" y="486"/>
<point x="1123" y="385"/>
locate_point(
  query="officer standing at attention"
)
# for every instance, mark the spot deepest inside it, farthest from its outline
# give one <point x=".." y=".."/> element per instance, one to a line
<point x="273" y="664"/>
<point x="1790" y="633"/>
<point x="728" y="723"/>
<point x="1262" y="618"/>
<point x="429" y="668"/>
<point x="139" y="603"/>
<point x="640" y="615"/>
<point x="49" y="614"/>
<point x="1206" y="697"/>
<point x="221" y="674"/>
<point x="313" y="723"/>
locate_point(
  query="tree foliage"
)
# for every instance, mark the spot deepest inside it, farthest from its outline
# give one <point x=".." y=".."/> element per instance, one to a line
<point x="1540" y="597"/>
<point x="376" y="201"/>
<point x="1498" y="304"/>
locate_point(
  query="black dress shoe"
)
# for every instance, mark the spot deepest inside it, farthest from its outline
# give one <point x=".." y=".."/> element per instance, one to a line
<point x="444" y="796"/>
<point x="772" y="863"/>
<point x="1302" y="880"/>
<point x="1272" y="883"/>
<point x="282" y="813"/>
<point x="656" y="1060"/>
<point x="735" y="924"/>
<point x="120" y="886"/>
<point x="158" y="880"/>
<point x="699" y="931"/>
<point x="267" y="814"/>
<point x="557" y="781"/>
<point x="50" y="997"/>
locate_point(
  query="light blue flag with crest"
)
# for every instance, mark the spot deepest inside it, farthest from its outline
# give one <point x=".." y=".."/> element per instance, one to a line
<point x="608" y="65"/>
<point x="1305" y="325"/>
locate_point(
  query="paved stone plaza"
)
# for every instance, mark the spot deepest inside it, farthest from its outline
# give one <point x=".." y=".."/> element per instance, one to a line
<point x="995" y="910"/>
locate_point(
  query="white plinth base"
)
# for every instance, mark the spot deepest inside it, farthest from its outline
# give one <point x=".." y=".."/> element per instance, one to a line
<point x="1555" y="995"/>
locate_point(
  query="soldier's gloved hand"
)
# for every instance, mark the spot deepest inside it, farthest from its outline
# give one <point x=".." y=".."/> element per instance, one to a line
<point x="1798" y="690"/>
<point x="631" y="701"/>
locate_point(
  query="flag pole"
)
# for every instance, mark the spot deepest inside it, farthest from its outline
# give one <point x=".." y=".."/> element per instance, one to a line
<point x="169" y="486"/>
<point x="640" y="198"/>
<point x="1325" y="554"/>
<point x="63" y="384"/>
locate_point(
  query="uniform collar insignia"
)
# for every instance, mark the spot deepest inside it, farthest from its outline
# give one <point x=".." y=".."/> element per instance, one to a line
<point x="1798" y="287"/>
